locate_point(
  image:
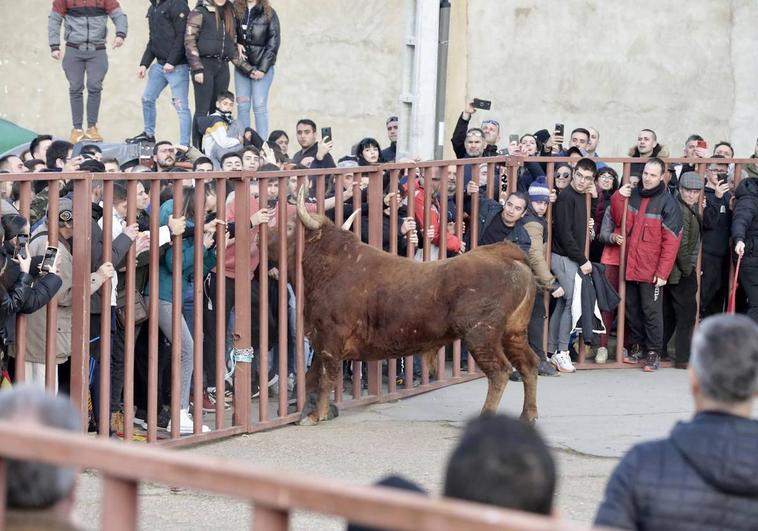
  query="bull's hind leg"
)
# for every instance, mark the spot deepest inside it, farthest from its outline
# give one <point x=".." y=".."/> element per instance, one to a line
<point x="523" y="358"/>
<point x="325" y="369"/>
<point x="493" y="363"/>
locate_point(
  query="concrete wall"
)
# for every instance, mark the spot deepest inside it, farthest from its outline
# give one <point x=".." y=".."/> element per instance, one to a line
<point x="678" y="66"/>
<point x="339" y="64"/>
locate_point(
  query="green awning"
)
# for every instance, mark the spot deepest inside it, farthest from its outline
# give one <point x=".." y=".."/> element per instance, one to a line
<point x="12" y="135"/>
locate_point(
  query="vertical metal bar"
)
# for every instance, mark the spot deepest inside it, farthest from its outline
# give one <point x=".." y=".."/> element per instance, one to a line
<point x="129" y="327"/>
<point x="429" y="174"/>
<point x="105" y="314"/>
<point x="270" y="519"/>
<point x="548" y="256"/>
<point x="242" y="291"/>
<point x="220" y="305"/>
<point x="3" y="489"/>
<point x="393" y="237"/>
<point x="320" y="193"/>
<point x="283" y="313"/>
<point x="443" y="249"/>
<point x="621" y="316"/>
<point x="411" y="172"/>
<point x="299" y="306"/>
<point x="588" y="206"/>
<point x="737" y="179"/>
<point x="699" y="262"/>
<point x="339" y="217"/>
<point x="152" y="322"/>
<point x="357" y="227"/>
<point x="51" y="325"/>
<point x="177" y="300"/>
<point x="25" y="197"/>
<point x="120" y="505"/>
<point x="263" y="303"/>
<point x="80" y="302"/>
<point x="459" y="231"/>
<point x="375" y="213"/>
<point x="474" y="228"/>
<point x="197" y="307"/>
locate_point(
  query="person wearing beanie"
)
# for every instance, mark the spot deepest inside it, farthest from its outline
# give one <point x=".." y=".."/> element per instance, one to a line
<point x="679" y="294"/>
<point x="537" y="229"/>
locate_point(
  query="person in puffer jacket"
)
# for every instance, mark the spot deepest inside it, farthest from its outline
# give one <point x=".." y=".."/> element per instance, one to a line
<point x="745" y="236"/>
<point x="86" y="29"/>
<point x="705" y="474"/>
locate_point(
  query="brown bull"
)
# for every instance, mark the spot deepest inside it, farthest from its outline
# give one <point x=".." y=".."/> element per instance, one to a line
<point x="362" y="303"/>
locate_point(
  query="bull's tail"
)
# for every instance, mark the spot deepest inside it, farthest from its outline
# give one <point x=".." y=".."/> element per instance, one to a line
<point x="521" y="316"/>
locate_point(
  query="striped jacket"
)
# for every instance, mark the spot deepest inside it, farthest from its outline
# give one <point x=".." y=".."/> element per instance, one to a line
<point x="85" y="21"/>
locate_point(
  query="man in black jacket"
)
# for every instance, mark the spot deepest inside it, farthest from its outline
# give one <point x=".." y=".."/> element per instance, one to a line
<point x="745" y="236"/>
<point x="571" y="221"/>
<point x="502" y="222"/>
<point x="311" y="148"/>
<point x="471" y="142"/>
<point x="705" y="474"/>
<point x="167" y="20"/>
<point x="717" y="221"/>
<point x="389" y="154"/>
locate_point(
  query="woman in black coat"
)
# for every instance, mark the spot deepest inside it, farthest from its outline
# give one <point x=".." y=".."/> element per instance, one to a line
<point x="258" y="39"/>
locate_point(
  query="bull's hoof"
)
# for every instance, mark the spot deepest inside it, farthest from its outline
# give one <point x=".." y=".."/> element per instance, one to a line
<point x="531" y="418"/>
<point x="308" y="420"/>
<point x="333" y="412"/>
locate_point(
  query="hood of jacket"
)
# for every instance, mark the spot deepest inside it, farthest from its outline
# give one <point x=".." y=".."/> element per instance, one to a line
<point x="722" y="449"/>
<point x="747" y="187"/>
<point x="658" y="151"/>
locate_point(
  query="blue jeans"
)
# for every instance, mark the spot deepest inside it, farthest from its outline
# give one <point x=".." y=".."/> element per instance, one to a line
<point x="178" y="80"/>
<point x="255" y="94"/>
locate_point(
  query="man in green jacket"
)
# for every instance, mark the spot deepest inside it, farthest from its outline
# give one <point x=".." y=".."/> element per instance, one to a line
<point x="679" y="304"/>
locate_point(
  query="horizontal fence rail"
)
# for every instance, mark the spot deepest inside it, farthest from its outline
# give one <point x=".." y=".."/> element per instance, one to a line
<point x="273" y="495"/>
<point x="167" y="352"/>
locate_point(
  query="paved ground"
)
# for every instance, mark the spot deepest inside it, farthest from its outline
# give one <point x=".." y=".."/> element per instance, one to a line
<point x="589" y="418"/>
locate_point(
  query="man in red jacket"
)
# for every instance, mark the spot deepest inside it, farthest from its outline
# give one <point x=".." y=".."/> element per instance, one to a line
<point x="653" y="232"/>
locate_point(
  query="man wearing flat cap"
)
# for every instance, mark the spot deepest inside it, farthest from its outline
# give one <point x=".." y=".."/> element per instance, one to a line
<point x="679" y="305"/>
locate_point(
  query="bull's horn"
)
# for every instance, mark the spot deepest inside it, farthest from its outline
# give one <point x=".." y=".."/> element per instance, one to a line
<point x="349" y="221"/>
<point x="309" y="221"/>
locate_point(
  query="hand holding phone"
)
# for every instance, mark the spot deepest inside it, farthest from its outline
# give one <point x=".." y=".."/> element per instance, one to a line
<point x="50" y="261"/>
<point x="326" y="132"/>
<point x="485" y="105"/>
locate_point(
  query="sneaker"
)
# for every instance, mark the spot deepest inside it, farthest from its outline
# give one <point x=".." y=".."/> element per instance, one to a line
<point x="77" y="135"/>
<point x="652" y="362"/>
<point x="142" y="137"/>
<point x="588" y="352"/>
<point x="140" y="419"/>
<point x="515" y="376"/>
<point x="186" y="425"/>
<point x="209" y="401"/>
<point x="601" y="356"/>
<point x="291" y="379"/>
<point x="545" y="368"/>
<point x="256" y="391"/>
<point x="633" y="357"/>
<point x="562" y="361"/>
<point x="93" y="135"/>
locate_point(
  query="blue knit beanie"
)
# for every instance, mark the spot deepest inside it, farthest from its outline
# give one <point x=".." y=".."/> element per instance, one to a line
<point x="538" y="190"/>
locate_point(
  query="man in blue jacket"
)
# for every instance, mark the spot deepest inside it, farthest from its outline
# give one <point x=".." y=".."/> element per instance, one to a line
<point x="705" y="474"/>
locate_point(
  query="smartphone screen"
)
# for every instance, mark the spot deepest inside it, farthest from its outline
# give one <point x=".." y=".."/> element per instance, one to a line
<point x="482" y="104"/>
<point x="49" y="260"/>
<point x="326" y="132"/>
<point x="512" y="139"/>
<point x="559" y="129"/>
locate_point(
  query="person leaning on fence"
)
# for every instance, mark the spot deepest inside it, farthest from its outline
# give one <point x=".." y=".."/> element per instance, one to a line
<point x="745" y="236"/>
<point x="679" y="294"/>
<point x="653" y="232"/>
<point x="705" y="474"/>
<point x="568" y="257"/>
<point x="37" y="321"/>
<point x="537" y="229"/>
<point x="38" y="495"/>
<point x="502" y="461"/>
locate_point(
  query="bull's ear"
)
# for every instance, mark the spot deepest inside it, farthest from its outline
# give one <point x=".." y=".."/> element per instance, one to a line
<point x="347" y="225"/>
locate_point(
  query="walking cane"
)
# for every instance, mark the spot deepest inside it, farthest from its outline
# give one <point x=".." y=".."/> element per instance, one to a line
<point x="730" y="307"/>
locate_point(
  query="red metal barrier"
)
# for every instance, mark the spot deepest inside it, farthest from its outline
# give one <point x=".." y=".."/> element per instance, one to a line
<point x="396" y="183"/>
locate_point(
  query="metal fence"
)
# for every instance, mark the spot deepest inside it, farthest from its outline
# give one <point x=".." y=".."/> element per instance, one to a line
<point x="331" y="194"/>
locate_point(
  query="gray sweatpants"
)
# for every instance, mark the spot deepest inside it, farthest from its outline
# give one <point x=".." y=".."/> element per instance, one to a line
<point x="164" y="323"/>
<point x="560" y="324"/>
<point x="77" y="63"/>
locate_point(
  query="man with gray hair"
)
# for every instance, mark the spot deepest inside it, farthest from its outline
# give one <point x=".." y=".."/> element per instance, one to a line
<point x="705" y="474"/>
<point x="38" y="495"/>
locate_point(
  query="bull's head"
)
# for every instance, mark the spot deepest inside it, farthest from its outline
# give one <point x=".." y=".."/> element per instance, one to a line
<point x="313" y="223"/>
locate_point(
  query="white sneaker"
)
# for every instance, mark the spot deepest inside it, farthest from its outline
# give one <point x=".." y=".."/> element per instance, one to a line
<point x="602" y="355"/>
<point x="186" y="424"/>
<point x="562" y="361"/>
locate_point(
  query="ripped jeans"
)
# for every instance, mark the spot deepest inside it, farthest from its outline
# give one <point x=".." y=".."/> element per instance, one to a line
<point x="178" y="81"/>
<point x="253" y="94"/>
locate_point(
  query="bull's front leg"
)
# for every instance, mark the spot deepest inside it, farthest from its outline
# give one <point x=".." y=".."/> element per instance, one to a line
<point x="323" y="372"/>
